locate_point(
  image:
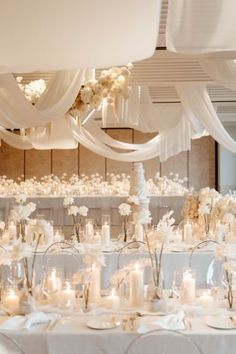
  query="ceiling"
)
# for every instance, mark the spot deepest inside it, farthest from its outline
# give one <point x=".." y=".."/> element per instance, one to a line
<point x="164" y="69"/>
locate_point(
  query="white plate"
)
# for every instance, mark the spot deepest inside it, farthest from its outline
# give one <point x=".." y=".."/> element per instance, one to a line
<point x="221" y="322"/>
<point x="102" y="324"/>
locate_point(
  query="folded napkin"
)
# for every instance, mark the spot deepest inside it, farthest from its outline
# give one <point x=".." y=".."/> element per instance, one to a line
<point x="25" y="322"/>
<point x="171" y="322"/>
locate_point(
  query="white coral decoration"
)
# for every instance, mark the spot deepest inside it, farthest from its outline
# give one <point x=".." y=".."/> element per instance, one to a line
<point x="83" y="210"/>
<point x="68" y="201"/>
<point x="2" y="225"/>
<point x="165" y="225"/>
<point x="124" y="209"/>
<point x="22" y="212"/>
<point x="21" y="250"/>
<point x="73" y="210"/>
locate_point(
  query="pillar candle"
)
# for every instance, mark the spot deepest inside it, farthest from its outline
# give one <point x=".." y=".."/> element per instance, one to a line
<point x="206" y="300"/>
<point x="136" y="287"/>
<point x="106" y="234"/>
<point x="188" y="289"/>
<point x="188" y="237"/>
<point x="67" y="297"/>
<point x="139" y="232"/>
<point x="11" y="301"/>
<point x="57" y="237"/>
<point x="95" y="284"/>
<point x="89" y="231"/>
<point x="112" y="301"/>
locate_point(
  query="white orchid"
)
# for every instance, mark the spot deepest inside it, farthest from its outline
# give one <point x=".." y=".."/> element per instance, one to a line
<point x="73" y="210"/>
<point x="68" y="201"/>
<point x="83" y="210"/>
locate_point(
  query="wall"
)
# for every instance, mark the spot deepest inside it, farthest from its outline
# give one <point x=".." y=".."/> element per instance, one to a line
<point x="198" y="164"/>
<point x="227" y="164"/>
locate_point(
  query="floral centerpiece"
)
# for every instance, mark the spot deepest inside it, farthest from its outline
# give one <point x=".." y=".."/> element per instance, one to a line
<point x="125" y="212"/>
<point x="75" y="211"/>
<point x="109" y="87"/>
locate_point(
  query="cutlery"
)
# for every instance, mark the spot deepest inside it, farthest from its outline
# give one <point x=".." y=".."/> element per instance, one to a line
<point x="51" y="325"/>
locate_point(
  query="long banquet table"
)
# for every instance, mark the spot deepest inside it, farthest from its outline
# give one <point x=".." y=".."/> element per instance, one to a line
<point x="172" y="262"/>
<point x="52" y="208"/>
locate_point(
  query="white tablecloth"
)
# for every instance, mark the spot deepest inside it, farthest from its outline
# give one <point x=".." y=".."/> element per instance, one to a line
<point x="74" y="337"/>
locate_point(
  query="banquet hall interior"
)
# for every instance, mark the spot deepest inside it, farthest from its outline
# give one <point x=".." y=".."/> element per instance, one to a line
<point x="117" y="177"/>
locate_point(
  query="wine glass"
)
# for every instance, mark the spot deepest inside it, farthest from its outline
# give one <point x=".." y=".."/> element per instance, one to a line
<point x="16" y="274"/>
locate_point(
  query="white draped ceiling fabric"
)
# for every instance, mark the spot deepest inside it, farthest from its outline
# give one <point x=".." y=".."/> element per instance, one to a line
<point x="190" y="30"/>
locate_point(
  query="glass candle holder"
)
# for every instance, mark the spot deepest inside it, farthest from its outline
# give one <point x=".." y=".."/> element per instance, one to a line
<point x="89" y="229"/>
<point x="106" y="230"/>
<point x="52" y="282"/>
<point x="11" y="300"/>
<point x="67" y="296"/>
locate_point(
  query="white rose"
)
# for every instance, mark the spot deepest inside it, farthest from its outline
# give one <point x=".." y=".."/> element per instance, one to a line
<point x="124" y="209"/>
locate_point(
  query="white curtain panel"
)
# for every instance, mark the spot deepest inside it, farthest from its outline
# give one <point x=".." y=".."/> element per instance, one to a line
<point x="17" y="112"/>
<point x="198" y="106"/>
<point x="201" y="26"/>
<point x="77" y="34"/>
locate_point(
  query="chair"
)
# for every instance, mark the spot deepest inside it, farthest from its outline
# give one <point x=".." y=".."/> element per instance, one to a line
<point x="61" y="255"/>
<point x="135" y="245"/>
<point x="8" y="345"/>
<point x="163" y="341"/>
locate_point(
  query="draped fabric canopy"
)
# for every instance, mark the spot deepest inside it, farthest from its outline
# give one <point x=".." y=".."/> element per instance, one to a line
<point x="190" y="30"/>
<point x="61" y="34"/>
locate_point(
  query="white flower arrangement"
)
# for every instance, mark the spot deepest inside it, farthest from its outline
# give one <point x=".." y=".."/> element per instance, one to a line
<point x="164" y="228"/>
<point x="124" y="209"/>
<point x="110" y="86"/>
<point x="73" y="210"/>
<point x="32" y="90"/>
<point x="83" y="211"/>
<point x="68" y="201"/>
<point x="22" y="212"/>
<point x="79" y="186"/>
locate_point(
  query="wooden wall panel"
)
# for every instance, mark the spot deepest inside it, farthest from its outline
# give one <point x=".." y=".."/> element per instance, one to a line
<point x="90" y="163"/>
<point x="198" y="164"/>
<point x="113" y="166"/>
<point x="11" y="161"/>
<point x="151" y="166"/>
<point x="202" y="163"/>
<point x="37" y="163"/>
<point x="65" y="161"/>
<point x="176" y="164"/>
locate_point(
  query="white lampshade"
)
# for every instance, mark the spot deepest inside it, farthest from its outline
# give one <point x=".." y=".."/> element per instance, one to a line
<point x="65" y="34"/>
